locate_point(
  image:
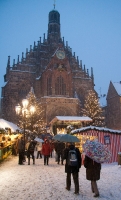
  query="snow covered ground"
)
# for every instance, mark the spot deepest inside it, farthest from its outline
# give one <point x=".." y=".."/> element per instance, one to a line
<point x="41" y="182"/>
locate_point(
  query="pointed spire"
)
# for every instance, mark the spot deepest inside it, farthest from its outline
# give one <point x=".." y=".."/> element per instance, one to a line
<point x="92" y="76"/>
<point x="26" y="51"/>
<point x="63" y="41"/>
<point x="74" y="54"/>
<point x="34" y="45"/>
<point x="8" y="63"/>
<point x="66" y="44"/>
<point x="54" y="4"/>
<point x="88" y="72"/>
<point x="22" y="56"/>
<point x="84" y="69"/>
<point x="77" y="59"/>
<point x="40" y="40"/>
<point x="44" y="38"/>
<point x="13" y="62"/>
<point x="18" y="60"/>
<point x="81" y="64"/>
<point x="30" y="48"/>
<point x="71" y="50"/>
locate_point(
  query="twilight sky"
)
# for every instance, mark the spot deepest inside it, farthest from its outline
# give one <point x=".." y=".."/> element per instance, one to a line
<point x="91" y="27"/>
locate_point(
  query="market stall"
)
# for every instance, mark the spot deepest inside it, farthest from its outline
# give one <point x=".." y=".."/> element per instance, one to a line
<point x="111" y="138"/>
<point x="59" y="124"/>
<point x="9" y="137"/>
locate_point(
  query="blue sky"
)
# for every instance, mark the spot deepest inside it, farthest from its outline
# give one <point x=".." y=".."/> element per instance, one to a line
<point x="91" y="27"/>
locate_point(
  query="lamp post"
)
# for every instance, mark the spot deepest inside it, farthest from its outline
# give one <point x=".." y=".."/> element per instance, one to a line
<point x="22" y="110"/>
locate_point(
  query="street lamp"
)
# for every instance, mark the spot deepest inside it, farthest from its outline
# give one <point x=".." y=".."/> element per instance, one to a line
<point x="25" y="112"/>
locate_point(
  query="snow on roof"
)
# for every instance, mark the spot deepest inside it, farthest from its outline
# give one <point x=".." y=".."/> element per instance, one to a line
<point x="6" y="124"/>
<point x="117" y="87"/>
<point x="95" y="128"/>
<point x="5" y="83"/>
<point x="70" y="118"/>
<point x="38" y="78"/>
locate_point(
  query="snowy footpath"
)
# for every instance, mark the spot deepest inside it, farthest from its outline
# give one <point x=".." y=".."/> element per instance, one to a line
<point x="41" y="182"/>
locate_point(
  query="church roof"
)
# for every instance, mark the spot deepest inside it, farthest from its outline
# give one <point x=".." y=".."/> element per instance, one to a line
<point x="117" y="86"/>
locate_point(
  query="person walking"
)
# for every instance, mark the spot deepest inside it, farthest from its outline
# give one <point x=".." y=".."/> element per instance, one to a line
<point x="51" y="148"/>
<point x="92" y="173"/>
<point x="59" y="147"/>
<point x="21" y="150"/>
<point x="39" y="148"/>
<point x="46" y="150"/>
<point x="30" y="151"/>
<point x="72" y="166"/>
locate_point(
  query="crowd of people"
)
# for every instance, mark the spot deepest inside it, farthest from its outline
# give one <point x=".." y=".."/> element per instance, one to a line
<point x="63" y="151"/>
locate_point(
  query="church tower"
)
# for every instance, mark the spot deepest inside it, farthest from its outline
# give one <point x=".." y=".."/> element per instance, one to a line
<point x="54" y="34"/>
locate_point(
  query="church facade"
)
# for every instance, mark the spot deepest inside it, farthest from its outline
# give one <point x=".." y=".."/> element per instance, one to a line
<point x="59" y="80"/>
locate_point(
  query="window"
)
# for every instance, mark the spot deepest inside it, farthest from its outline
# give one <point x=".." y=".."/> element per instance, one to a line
<point x="49" y="86"/>
<point x="60" y="86"/>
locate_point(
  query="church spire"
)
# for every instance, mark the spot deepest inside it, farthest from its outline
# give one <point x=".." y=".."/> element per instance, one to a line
<point x="92" y="75"/>
<point x="54" y="34"/>
<point x="54" y="4"/>
<point x="8" y="63"/>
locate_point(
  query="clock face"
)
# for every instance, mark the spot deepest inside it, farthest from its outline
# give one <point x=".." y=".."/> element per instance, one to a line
<point x="60" y="54"/>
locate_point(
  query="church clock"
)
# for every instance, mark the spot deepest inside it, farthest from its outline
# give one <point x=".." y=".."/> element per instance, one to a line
<point x="60" y="54"/>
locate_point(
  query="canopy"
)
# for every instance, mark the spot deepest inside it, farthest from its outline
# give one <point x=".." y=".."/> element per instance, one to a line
<point x="6" y="124"/>
<point x="71" y="119"/>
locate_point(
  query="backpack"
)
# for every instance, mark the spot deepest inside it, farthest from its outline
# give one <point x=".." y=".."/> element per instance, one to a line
<point x="72" y="158"/>
<point x="31" y="147"/>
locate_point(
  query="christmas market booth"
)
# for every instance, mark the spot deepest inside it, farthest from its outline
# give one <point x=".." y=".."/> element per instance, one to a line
<point x="9" y="136"/>
<point x="111" y="138"/>
<point x="63" y="124"/>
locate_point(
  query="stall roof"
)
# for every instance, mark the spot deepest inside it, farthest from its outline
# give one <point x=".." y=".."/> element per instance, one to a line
<point x="95" y="128"/>
<point x="6" y="124"/>
<point x="71" y="119"/>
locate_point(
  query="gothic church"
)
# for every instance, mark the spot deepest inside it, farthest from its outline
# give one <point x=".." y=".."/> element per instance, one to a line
<point x="59" y="80"/>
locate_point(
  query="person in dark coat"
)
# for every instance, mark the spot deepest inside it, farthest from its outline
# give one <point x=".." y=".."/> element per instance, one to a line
<point x="92" y="173"/>
<point x="30" y="150"/>
<point x="59" y="147"/>
<point x="21" y="150"/>
<point x="74" y="170"/>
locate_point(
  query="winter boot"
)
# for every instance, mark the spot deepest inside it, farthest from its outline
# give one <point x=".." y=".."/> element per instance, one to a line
<point x="28" y="161"/>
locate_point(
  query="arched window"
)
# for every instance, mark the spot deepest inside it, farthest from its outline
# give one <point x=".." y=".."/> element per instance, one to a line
<point x="22" y="92"/>
<point x="60" y="86"/>
<point x="49" y="86"/>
